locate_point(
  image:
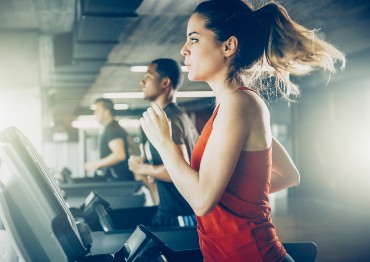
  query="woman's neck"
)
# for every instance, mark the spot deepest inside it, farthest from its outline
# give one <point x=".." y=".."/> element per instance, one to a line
<point x="220" y="89"/>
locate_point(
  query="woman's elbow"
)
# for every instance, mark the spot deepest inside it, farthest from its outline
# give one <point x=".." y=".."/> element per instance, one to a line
<point x="202" y="210"/>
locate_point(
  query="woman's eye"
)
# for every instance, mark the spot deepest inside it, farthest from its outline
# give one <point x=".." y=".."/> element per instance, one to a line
<point x="193" y="40"/>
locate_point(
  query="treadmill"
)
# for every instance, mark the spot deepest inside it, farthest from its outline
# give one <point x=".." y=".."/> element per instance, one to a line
<point x="42" y="228"/>
<point x="41" y="225"/>
<point x="121" y="194"/>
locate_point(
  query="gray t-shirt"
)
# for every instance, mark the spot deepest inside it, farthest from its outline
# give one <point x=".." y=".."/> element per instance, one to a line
<point x="183" y="132"/>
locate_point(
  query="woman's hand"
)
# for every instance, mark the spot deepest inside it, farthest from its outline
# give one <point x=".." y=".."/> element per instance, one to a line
<point x="156" y="126"/>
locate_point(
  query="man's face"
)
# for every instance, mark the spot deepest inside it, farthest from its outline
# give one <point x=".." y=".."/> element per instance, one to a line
<point x="100" y="112"/>
<point x="151" y="83"/>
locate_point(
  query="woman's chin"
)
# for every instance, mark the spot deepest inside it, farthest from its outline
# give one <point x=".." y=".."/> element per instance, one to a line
<point x="191" y="77"/>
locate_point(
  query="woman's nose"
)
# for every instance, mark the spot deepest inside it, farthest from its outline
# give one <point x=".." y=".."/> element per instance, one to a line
<point x="184" y="50"/>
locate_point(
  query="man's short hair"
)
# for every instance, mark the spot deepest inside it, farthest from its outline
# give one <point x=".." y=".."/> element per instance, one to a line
<point x="167" y="67"/>
<point x="107" y="104"/>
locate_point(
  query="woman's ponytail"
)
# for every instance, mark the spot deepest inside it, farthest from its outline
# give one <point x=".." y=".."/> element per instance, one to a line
<point x="292" y="49"/>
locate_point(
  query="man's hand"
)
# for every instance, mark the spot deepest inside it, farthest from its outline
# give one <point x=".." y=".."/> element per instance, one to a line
<point x="91" y="166"/>
<point x="134" y="163"/>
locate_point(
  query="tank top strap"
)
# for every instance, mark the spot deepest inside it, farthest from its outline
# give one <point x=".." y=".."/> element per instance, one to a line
<point x="241" y="88"/>
<point x="214" y="113"/>
<point x="244" y="88"/>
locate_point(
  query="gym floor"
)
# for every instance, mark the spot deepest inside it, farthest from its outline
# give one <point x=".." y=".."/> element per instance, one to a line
<point x="341" y="233"/>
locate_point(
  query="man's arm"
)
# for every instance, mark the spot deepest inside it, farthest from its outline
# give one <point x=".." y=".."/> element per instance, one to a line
<point x="118" y="154"/>
<point x="137" y="166"/>
<point x="134" y="148"/>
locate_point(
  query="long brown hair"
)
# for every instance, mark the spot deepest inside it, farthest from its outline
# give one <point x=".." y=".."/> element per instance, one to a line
<point x="271" y="45"/>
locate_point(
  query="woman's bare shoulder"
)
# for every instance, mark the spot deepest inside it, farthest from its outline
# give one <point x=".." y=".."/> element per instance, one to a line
<point x="243" y="102"/>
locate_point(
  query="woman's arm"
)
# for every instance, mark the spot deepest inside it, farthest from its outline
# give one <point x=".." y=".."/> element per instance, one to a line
<point x="284" y="173"/>
<point x="204" y="189"/>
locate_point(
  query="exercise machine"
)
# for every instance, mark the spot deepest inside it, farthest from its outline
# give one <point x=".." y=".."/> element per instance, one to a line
<point x="39" y="222"/>
<point x="41" y="226"/>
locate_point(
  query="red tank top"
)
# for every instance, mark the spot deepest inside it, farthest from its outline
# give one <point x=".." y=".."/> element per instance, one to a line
<point x="240" y="227"/>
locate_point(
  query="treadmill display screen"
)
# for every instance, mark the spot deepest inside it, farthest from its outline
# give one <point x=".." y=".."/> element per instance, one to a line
<point x="31" y="202"/>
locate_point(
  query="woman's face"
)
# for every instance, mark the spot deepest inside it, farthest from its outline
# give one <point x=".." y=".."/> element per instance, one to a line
<point x="204" y="57"/>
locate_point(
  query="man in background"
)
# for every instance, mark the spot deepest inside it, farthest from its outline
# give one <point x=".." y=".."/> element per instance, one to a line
<point x="114" y="145"/>
<point x="160" y="83"/>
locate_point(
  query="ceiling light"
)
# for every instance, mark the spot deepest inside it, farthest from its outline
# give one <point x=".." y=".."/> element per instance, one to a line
<point x="116" y="107"/>
<point x="90" y="122"/>
<point x="124" y="95"/>
<point x="142" y="69"/>
<point x="195" y="94"/>
<point x="121" y="106"/>
<point x="129" y="95"/>
<point x="86" y="122"/>
<point x="138" y="69"/>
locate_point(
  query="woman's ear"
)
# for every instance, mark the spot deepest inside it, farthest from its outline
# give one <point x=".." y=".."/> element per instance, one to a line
<point x="230" y="46"/>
